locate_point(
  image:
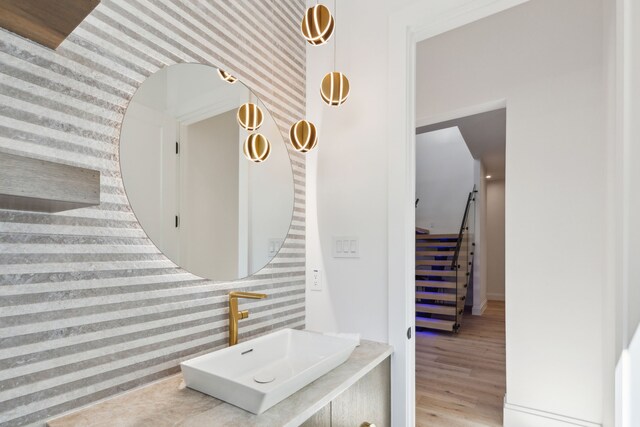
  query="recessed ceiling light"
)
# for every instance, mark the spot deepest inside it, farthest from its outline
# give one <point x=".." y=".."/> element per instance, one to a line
<point x="488" y="176"/>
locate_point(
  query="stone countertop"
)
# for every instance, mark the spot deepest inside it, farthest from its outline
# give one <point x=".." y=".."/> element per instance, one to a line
<point x="168" y="403"/>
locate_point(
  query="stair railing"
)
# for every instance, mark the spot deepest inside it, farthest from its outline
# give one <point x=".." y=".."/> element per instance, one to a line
<point x="464" y="227"/>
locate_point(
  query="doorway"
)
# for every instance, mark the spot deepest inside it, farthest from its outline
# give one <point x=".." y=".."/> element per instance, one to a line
<point x="460" y="312"/>
<point x="540" y="89"/>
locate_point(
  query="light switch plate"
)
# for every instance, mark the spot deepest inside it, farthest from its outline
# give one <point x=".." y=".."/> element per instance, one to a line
<point x="346" y="247"/>
<point x="274" y="247"/>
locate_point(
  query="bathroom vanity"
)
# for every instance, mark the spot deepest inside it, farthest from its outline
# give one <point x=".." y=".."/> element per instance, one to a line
<point x="353" y="394"/>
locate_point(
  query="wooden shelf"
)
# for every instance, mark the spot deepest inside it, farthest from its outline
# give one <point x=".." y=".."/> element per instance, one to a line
<point x="28" y="184"/>
<point x="47" y="22"/>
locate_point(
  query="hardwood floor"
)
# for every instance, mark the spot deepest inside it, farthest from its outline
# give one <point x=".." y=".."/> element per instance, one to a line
<point x="460" y="378"/>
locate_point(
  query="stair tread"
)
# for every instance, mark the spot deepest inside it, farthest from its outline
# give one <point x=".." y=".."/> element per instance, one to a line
<point x="436" y="284"/>
<point x="442" y="236"/>
<point x="435" y="253"/>
<point x="444" y="325"/>
<point x="423" y="244"/>
<point x="442" y="263"/>
<point x="438" y="296"/>
<point x="421" y="240"/>
<point x="435" y="273"/>
<point x="449" y="310"/>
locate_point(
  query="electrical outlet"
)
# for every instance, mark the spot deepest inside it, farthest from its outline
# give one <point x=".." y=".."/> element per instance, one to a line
<point x="316" y="280"/>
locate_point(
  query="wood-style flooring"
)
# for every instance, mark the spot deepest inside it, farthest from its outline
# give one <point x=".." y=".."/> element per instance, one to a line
<point x="460" y="378"/>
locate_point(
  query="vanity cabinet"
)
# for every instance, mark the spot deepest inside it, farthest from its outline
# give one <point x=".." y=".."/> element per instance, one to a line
<point x="367" y="401"/>
<point x="168" y="402"/>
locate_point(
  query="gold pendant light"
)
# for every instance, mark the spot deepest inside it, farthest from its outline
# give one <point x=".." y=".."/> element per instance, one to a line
<point x="317" y="25"/>
<point x="250" y="116"/>
<point x="303" y="136"/>
<point x="226" y="76"/>
<point x="334" y="88"/>
<point x="256" y="148"/>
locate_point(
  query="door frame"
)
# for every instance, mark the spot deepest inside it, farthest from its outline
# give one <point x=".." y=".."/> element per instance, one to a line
<point x="417" y="21"/>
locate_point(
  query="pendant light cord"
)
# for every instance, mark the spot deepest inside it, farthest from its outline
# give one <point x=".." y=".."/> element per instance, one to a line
<point x="335" y="32"/>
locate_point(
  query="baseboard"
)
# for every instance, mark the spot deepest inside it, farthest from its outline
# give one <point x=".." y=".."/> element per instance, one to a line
<point x="495" y="297"/>
<point x="477" y="310"/>
<point x="521" y="416"/>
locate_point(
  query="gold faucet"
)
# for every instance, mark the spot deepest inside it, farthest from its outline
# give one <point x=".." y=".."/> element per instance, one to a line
<point x="235" y="315"/>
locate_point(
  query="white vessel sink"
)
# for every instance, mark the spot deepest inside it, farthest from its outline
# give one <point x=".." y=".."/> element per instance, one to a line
<point x="256" y="374"/>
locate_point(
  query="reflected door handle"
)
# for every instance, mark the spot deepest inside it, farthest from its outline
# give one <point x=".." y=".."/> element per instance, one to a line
<point x="366" y="424"/>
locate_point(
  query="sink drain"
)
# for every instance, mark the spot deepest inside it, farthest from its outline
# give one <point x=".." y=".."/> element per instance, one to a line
<point x="264" y="378"/>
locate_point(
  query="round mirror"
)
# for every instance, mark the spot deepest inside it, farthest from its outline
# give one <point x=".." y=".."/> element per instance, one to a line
<point x="188" y="177"/>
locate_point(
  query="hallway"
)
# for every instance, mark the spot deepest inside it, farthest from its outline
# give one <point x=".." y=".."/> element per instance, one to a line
<point x="460" y="378"/>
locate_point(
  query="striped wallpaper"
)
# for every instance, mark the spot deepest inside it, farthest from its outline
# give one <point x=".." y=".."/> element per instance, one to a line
<point x="88" y="306"/>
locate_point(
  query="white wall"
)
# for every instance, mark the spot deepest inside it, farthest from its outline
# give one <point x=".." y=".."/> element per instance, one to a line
<point x="545" y="58"/>
<point x="346" y="175"/>
<point x="444" y="178"/>
<point x="632" y="156"/>
<point x="628" y="380"/>
<point x="495" y="239"/>
<point x="479" y="297"/>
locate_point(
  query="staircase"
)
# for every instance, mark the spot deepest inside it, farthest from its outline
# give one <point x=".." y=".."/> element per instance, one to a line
<point x="443" y="265"/>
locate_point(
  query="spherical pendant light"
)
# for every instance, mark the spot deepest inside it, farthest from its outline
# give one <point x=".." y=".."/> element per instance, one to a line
<point x="226" y="76"/>
<point x="250" y="116"/>
<point x="256" y="148"/>
<point x="317" y="25"/>
<point x="303" y="136"/>
<point x="334" y="88"/>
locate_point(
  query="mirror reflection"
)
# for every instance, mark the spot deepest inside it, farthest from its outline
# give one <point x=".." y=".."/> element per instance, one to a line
<point x="188" y="179"/>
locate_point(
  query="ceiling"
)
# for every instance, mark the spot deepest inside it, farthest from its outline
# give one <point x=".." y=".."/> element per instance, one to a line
<point x="485" y="134"/>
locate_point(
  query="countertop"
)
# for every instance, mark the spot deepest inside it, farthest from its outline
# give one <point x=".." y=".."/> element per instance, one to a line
<point x="168" y="403"/>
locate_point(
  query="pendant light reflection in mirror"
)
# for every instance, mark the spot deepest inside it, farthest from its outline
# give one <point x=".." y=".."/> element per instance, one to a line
<point x="256" y="147"/>
<point x="226" y="76"/>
